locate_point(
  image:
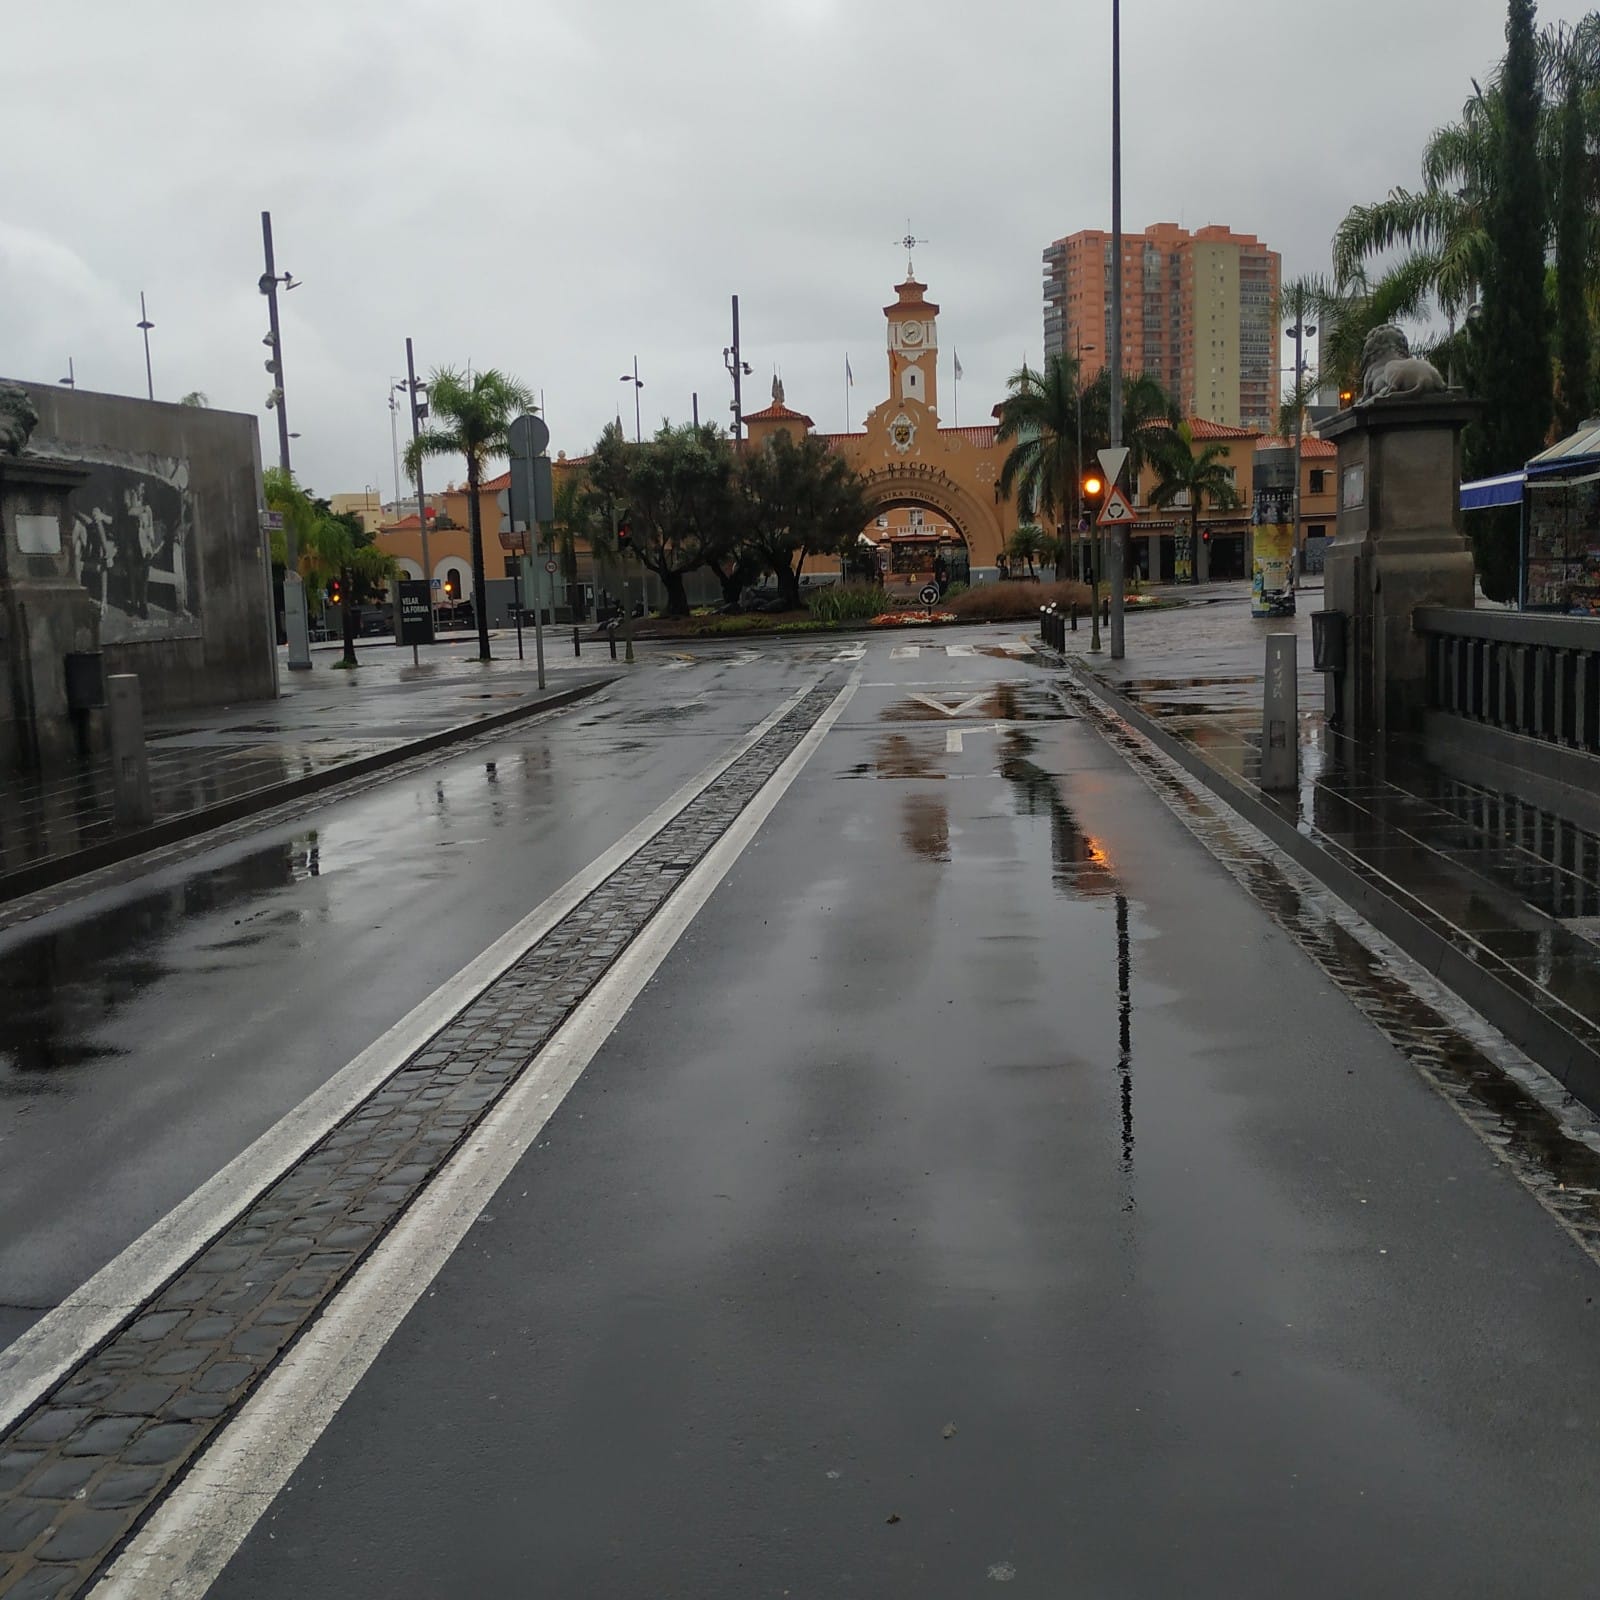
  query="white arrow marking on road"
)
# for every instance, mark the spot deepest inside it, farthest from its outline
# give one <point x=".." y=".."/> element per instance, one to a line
<point x="950" y="711"/>
<point x="952" y="742"/>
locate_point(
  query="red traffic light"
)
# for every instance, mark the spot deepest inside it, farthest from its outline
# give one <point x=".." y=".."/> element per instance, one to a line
<point x="624" y="536"/>
<point x="335" y="591"/>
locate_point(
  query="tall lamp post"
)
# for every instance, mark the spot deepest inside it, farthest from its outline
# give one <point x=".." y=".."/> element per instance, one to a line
<point x="294" y="596"/>
<point x="1115" y="543"/>
<point x="638" y="438"/>
<point x="1299" y="333"/>
<point x="144" y="325"/>
<point x="419" y="410"/>
<point x="738" y="369"/>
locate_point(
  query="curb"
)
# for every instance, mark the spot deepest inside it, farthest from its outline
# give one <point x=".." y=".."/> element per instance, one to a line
<point x="110" y="852"/>
<point x="1505" y="999"/>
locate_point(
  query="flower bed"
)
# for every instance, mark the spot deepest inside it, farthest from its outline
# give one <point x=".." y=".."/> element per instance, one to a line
<point x="912" y="619"/>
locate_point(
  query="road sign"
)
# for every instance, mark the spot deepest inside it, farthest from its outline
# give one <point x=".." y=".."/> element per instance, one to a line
<point x="930" y="594"/>
<point x="550" y="567"/>
<point x="1112" y="461"/>
<point x="416" y="613"/>
<point x="1116" y="512"/>
<point x="528" y="435"/>
<point x="530" y="500"/>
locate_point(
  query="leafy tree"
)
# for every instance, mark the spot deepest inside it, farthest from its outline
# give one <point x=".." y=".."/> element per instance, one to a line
<point x="1574" y="226"/>
<point x="1184" y="467"/>
<point x="1054" y="552"/>
<point x="795" y="501"/>
<point x="196" y="397"/>
<point x="678" y="490"/>
<point x="1514" y="334"/>
<point x="469" y="417"/>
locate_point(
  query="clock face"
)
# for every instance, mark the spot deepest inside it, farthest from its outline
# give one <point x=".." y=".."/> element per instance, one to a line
<point x="911" y="333"/>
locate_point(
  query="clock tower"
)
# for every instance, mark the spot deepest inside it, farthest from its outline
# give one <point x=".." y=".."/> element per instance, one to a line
<point x="913" y="347"/>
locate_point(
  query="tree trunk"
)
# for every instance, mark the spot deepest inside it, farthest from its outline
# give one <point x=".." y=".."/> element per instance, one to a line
<point x="788" y="585"/>
<point x="677" y="595"/>
<point x="731" y="581"/>
<point x="347" y="613"/>
<point x="1194" y="542"/>
<point x="480" y="585"/>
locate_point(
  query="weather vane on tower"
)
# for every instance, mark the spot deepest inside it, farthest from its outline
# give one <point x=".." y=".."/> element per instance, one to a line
<point x="908" y="244"/>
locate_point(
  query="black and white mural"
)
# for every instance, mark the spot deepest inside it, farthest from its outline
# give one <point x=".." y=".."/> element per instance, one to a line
<point x="133" y="545"/>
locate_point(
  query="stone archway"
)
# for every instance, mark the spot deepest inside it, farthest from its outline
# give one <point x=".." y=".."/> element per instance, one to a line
<point x="922" y="484"/>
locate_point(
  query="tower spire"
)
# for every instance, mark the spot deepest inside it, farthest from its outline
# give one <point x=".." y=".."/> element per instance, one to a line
<point x="908" y="244"/>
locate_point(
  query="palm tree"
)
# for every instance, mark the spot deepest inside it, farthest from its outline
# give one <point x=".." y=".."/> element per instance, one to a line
<point x="475" y="411"/>
<point x="1197" y="471"/>
<point x="1040" y="418"/>
<point x="1026" y="544"/>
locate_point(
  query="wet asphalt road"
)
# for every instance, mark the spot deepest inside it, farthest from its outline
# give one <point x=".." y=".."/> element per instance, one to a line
<point x="984" y="1191"/>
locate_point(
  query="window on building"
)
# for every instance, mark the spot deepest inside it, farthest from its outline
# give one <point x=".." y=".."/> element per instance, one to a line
<point x="452" y="583"/>
<point x="1319" y="480"/>
<point x="511" y="566"/>
<point x="1316" y="530"/>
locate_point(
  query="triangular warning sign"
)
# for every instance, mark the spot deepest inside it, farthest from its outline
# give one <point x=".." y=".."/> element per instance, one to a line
<point x="1116" y="510"/>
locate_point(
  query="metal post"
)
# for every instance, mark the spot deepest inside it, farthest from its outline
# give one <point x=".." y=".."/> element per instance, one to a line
<point x="1116" y="543"/>
<point x="1299" y="428"/>
<point x="394" y="441"/>
<point x="130" y="761"/>
<point x="539" y="576"/>
<point x="294" y="597"/>
<point x="516" y="604"/>
<point x="637" y="431"/>
<point x="738" y="403"/>
<point x="577" y="647"/>
<point x="1280" y="716"/>
<point x="146" y="325"/>
<point x="694" y="401"/>
<point x="422" y="503"/>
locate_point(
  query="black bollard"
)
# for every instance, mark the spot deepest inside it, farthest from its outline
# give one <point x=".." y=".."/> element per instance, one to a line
<point x="1074" y="616"/>
<point x="613" y="640"/>
<point x="577" y="649"/>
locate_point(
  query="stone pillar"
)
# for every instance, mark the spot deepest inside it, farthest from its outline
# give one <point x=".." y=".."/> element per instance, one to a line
<point x="45" y="613"/>
<point x="1399" y="546"/>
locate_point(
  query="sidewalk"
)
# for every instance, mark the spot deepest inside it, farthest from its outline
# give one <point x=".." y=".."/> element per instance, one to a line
<point x="212" y="766"/>
<point x="1499" y="898"/>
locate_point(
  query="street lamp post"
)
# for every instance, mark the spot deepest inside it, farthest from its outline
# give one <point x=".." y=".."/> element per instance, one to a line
<point x="419" y="410"/>
<point x="294" y="598"/>
<point x="144" y="325"/>
<point x="1078" y="527"/>
<point x="638" y="384"/>
<point x="1299" y="333"/>
<point x="71" y="379"/>
<point x="738" y="369"/>
<point x="396" y="386"/>
<point x="638" y="438"/>
<point x="1115" y="542"/>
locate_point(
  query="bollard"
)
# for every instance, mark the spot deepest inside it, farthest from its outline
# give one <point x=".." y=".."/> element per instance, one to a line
<point x="1074" y="616"/>
<point x="612" y="637"/>
<point x="577" y="649"/>
<point x="1280" y="715"/>
<point x="130" y="761"/>
<point x="1105" y="609"/>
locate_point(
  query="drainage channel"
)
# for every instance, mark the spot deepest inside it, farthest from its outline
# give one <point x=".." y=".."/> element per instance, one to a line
<point x="92" y="1458"/>
<point x="1548" y="1140"/>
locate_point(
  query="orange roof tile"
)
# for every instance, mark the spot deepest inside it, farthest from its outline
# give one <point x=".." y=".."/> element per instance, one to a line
<point x="1205" y="428"/>
<point x="495" y="484"/>
<point x="984" y="438"/>
<point x="1311" y="447"/>
<point x="777" y="413"/>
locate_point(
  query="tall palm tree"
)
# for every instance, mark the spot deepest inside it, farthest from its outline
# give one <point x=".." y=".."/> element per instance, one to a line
<point x="1184" y="468"/>
<point x="1026" y="544"/>
<point x="470" y="416"/>
<point x="1039" y="418"/>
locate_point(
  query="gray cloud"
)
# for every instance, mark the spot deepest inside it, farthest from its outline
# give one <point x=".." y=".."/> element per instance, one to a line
<point x="554" y="188"/>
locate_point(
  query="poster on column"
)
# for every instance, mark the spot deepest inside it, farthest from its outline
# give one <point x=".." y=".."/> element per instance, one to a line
<point x="1272" y="549"/>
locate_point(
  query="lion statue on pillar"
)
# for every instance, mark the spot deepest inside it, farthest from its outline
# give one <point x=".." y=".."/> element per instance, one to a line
<point x="1388" y="368"/>
<point x="18" y="419"/>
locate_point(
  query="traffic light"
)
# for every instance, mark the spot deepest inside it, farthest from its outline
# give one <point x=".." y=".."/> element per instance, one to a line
<point x="1093" y="487"/>
<point x="335" y="591"/>
<point x="449" y="588"/>
<point x="624" y="536"/>
<point x="1346" y="398"/>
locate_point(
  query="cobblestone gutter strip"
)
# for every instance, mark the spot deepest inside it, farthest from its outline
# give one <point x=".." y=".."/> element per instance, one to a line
<point x="80" y="1470"/>
<point x="52" y="870"/>
<point x="1548" y="1140"/>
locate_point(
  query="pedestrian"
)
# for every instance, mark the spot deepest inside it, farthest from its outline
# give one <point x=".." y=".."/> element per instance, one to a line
<point x="941" y="574"/>
<point x="1000" y="566"/>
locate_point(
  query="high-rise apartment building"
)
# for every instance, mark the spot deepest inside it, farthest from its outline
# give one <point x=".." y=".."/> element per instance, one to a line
<point x="1197" y="314"/>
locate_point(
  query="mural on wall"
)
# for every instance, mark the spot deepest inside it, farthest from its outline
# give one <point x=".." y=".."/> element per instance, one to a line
<point x="133" y="544"/>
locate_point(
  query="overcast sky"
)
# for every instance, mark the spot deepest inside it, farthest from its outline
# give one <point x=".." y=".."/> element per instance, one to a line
<point x="554" y="188"/>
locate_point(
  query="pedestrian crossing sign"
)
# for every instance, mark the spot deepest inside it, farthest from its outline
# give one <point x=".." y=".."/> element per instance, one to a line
<point x="1116" y="511"/>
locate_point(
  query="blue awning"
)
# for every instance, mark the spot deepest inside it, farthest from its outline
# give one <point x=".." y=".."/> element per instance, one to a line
<point x="1505" y="490"/>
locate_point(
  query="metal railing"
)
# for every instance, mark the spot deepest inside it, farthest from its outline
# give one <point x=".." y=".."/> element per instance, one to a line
<point x="1537" y="676"/>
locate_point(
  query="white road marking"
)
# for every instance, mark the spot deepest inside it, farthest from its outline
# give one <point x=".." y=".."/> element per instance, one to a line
<point x="950" y="711"/>
<point x="63" y="1337"/>
<point x="193" y="1534"/>
<point x="952" y="741"/>
<point x="905" y="652"/>
<point x="851" y="652"/>
<point x="960" y="650"/>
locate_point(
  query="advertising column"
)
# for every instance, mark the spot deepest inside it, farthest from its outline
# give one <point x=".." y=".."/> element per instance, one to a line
<point x="1272" y="551"/>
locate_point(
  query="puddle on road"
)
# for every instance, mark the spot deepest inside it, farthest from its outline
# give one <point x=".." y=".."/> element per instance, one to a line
<point x="1080" y="865"/>
<point x="1006" y="702"/>
<point x="60" y="991"/>
<point x="925" y="827"/>
<point x="897" y="756"/>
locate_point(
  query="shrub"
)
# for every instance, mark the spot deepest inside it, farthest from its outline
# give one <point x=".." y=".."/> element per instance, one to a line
<point x="847" y="602"/>
<point x="1016" y="602"/>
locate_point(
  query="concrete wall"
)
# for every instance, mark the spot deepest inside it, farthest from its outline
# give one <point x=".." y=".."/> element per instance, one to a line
<point x="167" y="540"/>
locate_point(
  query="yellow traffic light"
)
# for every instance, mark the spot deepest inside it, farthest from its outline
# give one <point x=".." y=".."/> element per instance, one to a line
<point x="1092" y="485"/>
